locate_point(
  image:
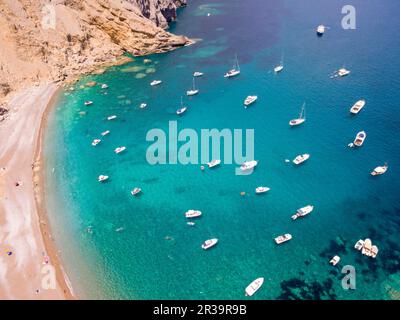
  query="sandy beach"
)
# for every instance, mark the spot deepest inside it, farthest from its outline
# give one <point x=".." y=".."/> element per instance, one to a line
<point x="26" y="246"/>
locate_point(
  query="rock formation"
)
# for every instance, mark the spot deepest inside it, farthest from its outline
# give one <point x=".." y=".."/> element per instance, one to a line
<point x="59" y="39"/>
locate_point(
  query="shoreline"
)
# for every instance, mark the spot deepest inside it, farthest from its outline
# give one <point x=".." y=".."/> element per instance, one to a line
<point x="24" y="227"/>
<point x="40" y="196"/>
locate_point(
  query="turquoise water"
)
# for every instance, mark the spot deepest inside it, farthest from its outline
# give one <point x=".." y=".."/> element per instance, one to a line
<point x="157" y="256"/>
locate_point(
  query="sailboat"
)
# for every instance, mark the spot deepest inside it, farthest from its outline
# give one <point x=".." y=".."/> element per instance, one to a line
<point x="301" y="119"/>
<point x="234" y="71"/>
<point x="193" y="91"/>
<point x="279" y="67"/>
<point x="182" y="108"/>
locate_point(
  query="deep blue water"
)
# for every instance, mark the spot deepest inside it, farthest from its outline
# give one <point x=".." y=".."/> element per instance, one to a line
<point x="157" y="256"/>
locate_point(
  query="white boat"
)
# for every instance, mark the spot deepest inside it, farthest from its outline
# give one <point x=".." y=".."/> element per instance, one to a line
<point x="136" y="191"/>
<point x="262" y="190"/>
<point x="301" y="118"/>
<point x="155" y="83"/>
<point x="192" y="91"/>
<point x="96" y="142"/>
<point x="197" y="74"/>
<point x="88" y="103"/>
<point x="234" y="71"/>
<point x="102" y="178"/>
<point x="359" y="140"/>
<point x="112" y="117"/>
<point x="105" y="133"/>
<point x="283" y="238"/>
<point x="213" y="163"/>
<point x="104" y="86"/>
<point x="253" y="287"/>
<point x="303" y="212"/>
<point x="119" y="149"/>
<point x="249" y="100"/>
<point x="248" y="165"/>
<point x="356" y="108"/>
<point x="343" y="72"/>
<point x="143" y="105"/>
<point x="320" y="30"/>
<point x="359" y="245"/>
<point x="192" y="213"/>
<point x="380" y="170"/>
<point x="182" y="109"/>
<point x="209" y="243"/>
<point x="301" y="158"/>
<point x="366" y="250"/>
<point x="278" y="68"/>
<point x="335" y="260"/>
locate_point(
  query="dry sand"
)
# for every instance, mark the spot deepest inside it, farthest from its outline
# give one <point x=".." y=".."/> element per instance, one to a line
<point x="23" y="226"/>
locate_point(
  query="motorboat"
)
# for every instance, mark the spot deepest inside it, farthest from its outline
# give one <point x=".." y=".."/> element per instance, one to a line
<point x="197" y="74"/>
<point x="192" y="213"/>
<point x="88" y="103"/>
<point x="359" y="245"/>
<point x="260" y="190"/>
<point x="192" y="91"/>
<point x="249" y="100"/>
<point x="248" y="165"/>
<point x="303" y="212"/>
<point x="283" y="238"/>
<point x="102" y="178"/>
<point x="321" y="30"/>
<point x="234" y="71"/>
<point x="104" y="86"/>
<point x="359" y="140"/>
<point x="155" y="83"/>
<point x="356" y="108"/>
<point x="119" y="149"/>
<point x="213" y="163"/>
<point x="366" y="250"/>
<point x="300" y="119"/>
<point x="379" y="170"/>
<point x="343" y="72"/>
<point x="253" y="287"/>
<point x="105" y="133"/>
<point x="301" y="158"/>
<point x="112" y="117"/>
<point x="95" y="142"/>
<point x="143" y="105"/>
<point x="209" y="243"/>
<point x="335" y="260"/>
<point x="136" y="191"/>
<point x="374" y="251"/>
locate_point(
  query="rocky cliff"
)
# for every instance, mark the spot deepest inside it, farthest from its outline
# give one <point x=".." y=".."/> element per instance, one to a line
<point x="59" y="39"/>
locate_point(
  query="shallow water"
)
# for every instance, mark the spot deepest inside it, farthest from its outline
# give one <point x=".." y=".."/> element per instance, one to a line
<point x="157" y="255"/>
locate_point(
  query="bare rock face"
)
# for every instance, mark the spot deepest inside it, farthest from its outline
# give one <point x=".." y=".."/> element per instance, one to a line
<point x="57" y="41"/>
<point x="161" y="12"/>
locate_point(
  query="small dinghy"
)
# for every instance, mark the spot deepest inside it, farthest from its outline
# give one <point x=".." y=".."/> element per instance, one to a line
<point x="88" y="103"/>
<point x="143" y="105"/>
<point x="95" y="142"/>
<point x="111" y="117"/>
<point x="197" y="74"/>
<point x="105" y="133"/>
<point x="104" y="86"/>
